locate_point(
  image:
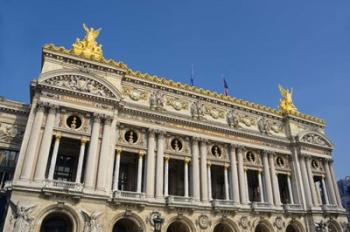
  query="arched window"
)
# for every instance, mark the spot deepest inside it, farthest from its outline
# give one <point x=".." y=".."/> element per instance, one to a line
<point x="291" y="228"/>
<point x="261" y="228"/>
<point x="178" y="226"/>
<point x="222" y="227"/>
<point x="56" y="222"/>
<point x="126" y="225"/>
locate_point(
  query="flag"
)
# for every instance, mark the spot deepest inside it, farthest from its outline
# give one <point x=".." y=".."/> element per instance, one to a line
<point x="225" y="88"/>
<point x="192" y="76"/>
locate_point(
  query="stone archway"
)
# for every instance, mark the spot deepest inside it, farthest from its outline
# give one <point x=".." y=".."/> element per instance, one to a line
<point x="292" y="228"/>
<point x="126" y="225"/>
<point x="178" y="226"/>
<point x="222" y="227"/>
<point x="57" y="222"/>
<point x="261" y="227"/>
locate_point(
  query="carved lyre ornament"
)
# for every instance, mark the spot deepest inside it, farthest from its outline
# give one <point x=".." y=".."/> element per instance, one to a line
<point x="88" y="47"/>
<point x="286" y="105"/>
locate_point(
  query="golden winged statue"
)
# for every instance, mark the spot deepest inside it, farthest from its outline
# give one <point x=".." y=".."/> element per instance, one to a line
<point x="286" y="103"/>
<point x="88" y="47"/>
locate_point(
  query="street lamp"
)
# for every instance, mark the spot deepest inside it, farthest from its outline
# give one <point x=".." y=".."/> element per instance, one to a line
<point x="157" y="222"/>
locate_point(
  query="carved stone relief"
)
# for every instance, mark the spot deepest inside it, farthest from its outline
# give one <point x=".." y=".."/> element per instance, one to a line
<point x="91" y="224"/>
<point x="279" y="223"/>
<point x="197" y="110"/>
<point x="10" y="133"/>
<point x="203" y="221"/>
<point x="177" y="103"/>
<point x="244" y="223"/>
<point x="214" y="112"/>
<point x="267" y="126"/>
<point x="135" y="94"/>
<point x="157" y="101"/>
<point x="21" y="219"/>
<point x="81" y="84"/>
<point x="246" y="119"/>
<point x="314" y="139"/>
<point x="232" y="119"/>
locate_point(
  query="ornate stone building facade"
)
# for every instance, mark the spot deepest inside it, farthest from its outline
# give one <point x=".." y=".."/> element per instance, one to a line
<point x="106" y="148"/>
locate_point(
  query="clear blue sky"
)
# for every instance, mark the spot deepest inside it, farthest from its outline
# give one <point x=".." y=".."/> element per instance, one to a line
<point x="255" y="44"/>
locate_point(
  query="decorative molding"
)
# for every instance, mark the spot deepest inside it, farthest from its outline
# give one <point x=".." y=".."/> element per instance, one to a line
<point x="214" y="112"/>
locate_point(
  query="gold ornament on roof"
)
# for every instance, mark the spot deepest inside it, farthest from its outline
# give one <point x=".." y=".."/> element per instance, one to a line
<point x="286" y="103"/>
<point x="88" y="47"/>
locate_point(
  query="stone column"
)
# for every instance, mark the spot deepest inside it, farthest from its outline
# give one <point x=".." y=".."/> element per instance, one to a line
<point x="186" y="161"/>
<point x="45" y="145"/>
<point x="267" y="178"/>
<point x="325" y="191"/>
<point x="311" y="181"/>
<point x="306" y="182"/>
<point x="290" y="190"/>
<point x="139" y="171"/>
<point x="29" y="159"/>
<point x="242" y="177"/>
<point x="166" y="176"/>
<point x="261" y="187"/>
<point x="54" y="156"/>
<point x="275" y="188"/>
<point x="297" y="183"/>
<point x="234" y="175"/>
<point x="160" y="165"/>
<point x="195" y="170"/>
<point x="227" y="191"/>
<point x="92" y="159"/>
<point x="333" y="198"/>
<point x="104" y="156"/>
<point x="150" y="165"/>
<point x="246" y="181"/>
<point x="335" y="185"/>
<point x="116" y="170"/>
<point x="204" y="175"/>
<point x="209" y="181"/>
<point x="81" y="160"/>
<point x="111" y="156"/>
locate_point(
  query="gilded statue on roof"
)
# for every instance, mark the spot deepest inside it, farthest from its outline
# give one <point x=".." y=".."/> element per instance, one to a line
<point x="88" y="47"/>
<point x="286" y="103"/>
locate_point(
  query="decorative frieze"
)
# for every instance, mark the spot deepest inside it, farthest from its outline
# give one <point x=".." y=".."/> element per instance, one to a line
<point x="268" y="126"/>
<point x="214" y="112"/>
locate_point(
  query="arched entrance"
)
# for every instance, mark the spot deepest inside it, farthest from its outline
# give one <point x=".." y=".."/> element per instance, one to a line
<point x="261" y="228"/>
<point x="222" y="227"/>
<point x="178" y="226"/>
<point x="292" y="228"/>
<point x="126" y="225"/>
<point x="56" y="222"/>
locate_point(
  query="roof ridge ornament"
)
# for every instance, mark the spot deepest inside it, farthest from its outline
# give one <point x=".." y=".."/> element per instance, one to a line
<point x="88" y="47"/>
<point x="286" y="104"/>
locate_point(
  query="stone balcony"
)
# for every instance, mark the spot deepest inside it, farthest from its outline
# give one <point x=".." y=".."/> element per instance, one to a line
<point x="293" y="208"/>
<point x="219" y="204"/>
<point x="179" y="201"/>
<point x="62" y="187"/>
<point x="261" y="207"/>
<point x="131" y="197"/>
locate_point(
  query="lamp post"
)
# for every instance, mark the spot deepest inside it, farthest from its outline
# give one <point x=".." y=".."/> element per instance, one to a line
<point x="157" y="223"/>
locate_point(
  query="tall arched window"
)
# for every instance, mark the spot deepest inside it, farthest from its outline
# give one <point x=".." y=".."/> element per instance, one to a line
<point x="56" y="222"/>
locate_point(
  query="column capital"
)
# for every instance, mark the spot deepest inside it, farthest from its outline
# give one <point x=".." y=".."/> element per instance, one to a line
<point x="152" y="132"/>
<point x="161" y="133"/>
<point x="233" y="145"/>
<point x="97" y="117"/>
<point x="208" y="163"/>
<point x="58" y="135"/>
<point x="83" y="140"/>
<point x="53" y="108"/>
<point x="187" y="160"/>
<point x="226" y="166"/>
<point x="108" y="119"/>
<point x="241" y="148"/>
<point x="142" y="153"/>
<point x="166" y="157"/>
<point x="41" y="106"/>
<point x="119" y="150"/>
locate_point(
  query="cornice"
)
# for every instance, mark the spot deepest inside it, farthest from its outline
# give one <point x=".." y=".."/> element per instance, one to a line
<point x="13" y="107"/>
<point x="121" y="68"/>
